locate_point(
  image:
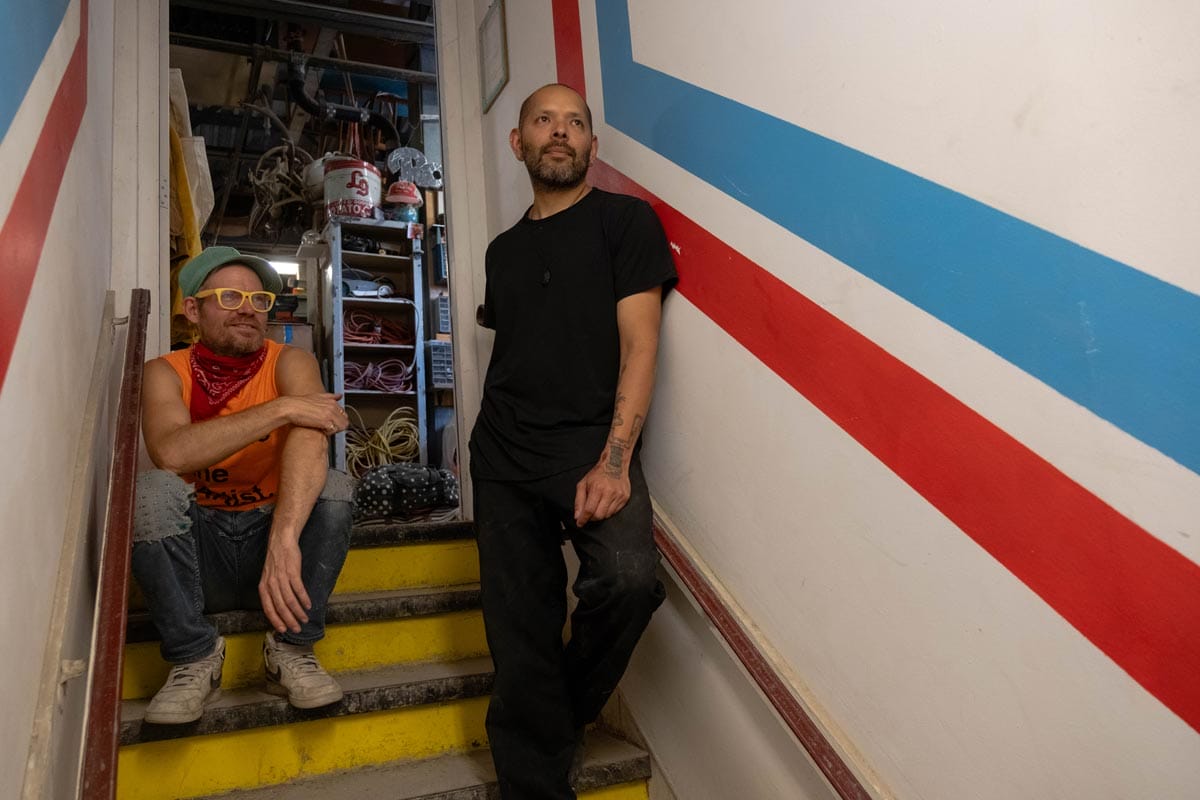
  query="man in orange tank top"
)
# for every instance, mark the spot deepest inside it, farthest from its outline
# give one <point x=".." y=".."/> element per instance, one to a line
<point x="243" y="511"/>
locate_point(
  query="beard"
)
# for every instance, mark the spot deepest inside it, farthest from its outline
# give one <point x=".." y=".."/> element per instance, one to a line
<point x="551" y="175"/>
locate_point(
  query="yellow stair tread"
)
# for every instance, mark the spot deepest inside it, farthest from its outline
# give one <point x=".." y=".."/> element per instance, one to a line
<point x="369" y="644"/>
<point x="365" y="691"/>
<point x="613" y="770"/>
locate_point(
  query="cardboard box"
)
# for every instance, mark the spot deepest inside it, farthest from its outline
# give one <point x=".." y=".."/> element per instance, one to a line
<point x="297" y="334"/>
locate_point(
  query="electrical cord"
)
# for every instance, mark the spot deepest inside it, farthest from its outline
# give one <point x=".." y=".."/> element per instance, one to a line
<point x="395" y="441"/>
<point x="391" y="375"/>
<point x="363" y="327"/>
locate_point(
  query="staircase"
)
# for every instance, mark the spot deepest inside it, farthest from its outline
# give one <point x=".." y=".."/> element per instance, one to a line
<point x="404" y="635"/>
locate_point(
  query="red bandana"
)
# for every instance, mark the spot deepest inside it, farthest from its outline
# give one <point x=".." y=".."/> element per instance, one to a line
<point x="217" y="378"/>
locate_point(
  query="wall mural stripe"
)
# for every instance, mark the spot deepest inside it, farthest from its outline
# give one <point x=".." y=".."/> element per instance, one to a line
<point x="1132" y="596"/>
<point x="1116" y="340"/>
<point x="23" y="233"/>
<point x="23" y="46"/>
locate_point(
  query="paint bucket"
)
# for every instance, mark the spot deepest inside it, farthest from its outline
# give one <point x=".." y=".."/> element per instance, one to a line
<point x="352" y="188"/>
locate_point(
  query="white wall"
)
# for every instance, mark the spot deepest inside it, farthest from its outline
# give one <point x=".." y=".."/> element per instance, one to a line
<point x="43" y="399"/>
<point x="530" y="65"/>
<point x="921" y="650"/>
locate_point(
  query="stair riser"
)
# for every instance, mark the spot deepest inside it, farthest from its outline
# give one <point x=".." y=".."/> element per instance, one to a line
<point x="358" y="646"/>
<point x="378" y="569"/>
<point x="638" y="790"/>
<point x="381" y="569"/>
<point x="193" y="767"/>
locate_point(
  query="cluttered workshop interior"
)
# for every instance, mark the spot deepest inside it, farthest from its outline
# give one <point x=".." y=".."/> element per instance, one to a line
<point x="309" y="134"/>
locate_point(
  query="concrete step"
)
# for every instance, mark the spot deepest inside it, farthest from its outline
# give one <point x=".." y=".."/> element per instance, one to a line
<point x="376" y="534"/>
<point x="363" y="631"/>
<point x="366" y="691"/>
<point x="613" y="770"/>
<point x="248" y="738"/>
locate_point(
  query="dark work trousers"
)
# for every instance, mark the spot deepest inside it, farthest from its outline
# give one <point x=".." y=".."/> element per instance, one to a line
<point x="544" y="692"/>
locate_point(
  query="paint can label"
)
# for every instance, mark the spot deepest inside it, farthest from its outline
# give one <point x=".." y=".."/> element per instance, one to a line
<point x="352" y="188"/>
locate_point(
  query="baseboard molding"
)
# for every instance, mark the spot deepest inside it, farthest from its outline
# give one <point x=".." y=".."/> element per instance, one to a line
<point x="842" y="765"/>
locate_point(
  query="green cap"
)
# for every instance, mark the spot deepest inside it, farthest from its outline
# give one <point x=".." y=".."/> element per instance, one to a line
<point x="194" y="272"/>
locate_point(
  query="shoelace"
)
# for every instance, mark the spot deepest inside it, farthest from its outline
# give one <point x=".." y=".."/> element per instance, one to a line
<point x="186" y="673"/>
<point x="299" y="664"/>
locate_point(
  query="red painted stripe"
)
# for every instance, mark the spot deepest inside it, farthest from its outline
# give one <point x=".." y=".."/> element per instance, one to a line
<point x="24" y="231"/>
<point x="568" y="45"/>
<point x="1132" y="596"/>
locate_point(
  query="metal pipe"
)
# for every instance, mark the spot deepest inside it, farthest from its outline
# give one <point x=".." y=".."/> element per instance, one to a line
<point x="273" y="54"/>
<point x="321" y="109"/>
<point x="366" y="23"/>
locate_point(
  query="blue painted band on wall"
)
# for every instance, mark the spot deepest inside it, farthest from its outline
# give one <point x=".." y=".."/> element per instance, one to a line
<point x="1122" y="343"/>
<point x="24" y="39"/>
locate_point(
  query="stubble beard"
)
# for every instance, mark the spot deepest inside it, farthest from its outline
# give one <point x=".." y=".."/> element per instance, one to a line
<point x="227" y="341"/>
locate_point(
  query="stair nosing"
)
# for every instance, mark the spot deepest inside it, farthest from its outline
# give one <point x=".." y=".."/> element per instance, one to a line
<point x="386" y="534"/>
<point x="343" y="609"/>
<point x="405" y="686"/>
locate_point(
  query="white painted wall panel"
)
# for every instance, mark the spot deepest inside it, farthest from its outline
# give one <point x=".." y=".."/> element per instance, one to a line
<point x="714" y="734"/>
<point x="1077" y="115"/>
<point x="949" y="674"/>
<point x="1142" y="483"/>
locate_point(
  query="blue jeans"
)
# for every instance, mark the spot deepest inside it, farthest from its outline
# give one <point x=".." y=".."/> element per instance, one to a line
<point x="191" y="560"/>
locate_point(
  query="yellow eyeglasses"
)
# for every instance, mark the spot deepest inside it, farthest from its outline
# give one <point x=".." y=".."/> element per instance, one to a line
<point x="232" y="299"/>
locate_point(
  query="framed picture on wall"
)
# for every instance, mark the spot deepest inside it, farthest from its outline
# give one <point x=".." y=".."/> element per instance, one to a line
<point x="493" y="54"/>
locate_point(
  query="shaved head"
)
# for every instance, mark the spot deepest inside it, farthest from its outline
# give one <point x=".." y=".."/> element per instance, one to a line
<point x="528" y="105"/>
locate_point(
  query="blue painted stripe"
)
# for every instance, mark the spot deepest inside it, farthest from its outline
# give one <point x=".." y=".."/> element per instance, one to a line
<point x="1120" y="342"/>
<point x="24" y="39"/>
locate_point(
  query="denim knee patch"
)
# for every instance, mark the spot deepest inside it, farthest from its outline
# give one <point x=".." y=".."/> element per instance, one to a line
<point x="162" y="506"/>
<point x="338" y="486"/>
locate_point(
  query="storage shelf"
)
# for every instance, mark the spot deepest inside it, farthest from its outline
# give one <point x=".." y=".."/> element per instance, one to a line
<point x="378" y="393"/>
<point x="404" y="267"/>
<point x="363" y="347"/>
<point x="377" y="302"/>
<point x="354" y="224"/>
<point x="375" y="261"/>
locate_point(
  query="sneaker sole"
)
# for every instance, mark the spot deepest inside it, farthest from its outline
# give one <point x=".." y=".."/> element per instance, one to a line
<point x="180" y="718"/>
<point x="312" y="702"/>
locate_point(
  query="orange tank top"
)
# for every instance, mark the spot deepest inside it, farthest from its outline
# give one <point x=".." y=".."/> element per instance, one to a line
<point x="250" y="477"/>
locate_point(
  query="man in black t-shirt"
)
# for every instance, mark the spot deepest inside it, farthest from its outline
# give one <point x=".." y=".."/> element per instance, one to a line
<point x="574" y="293"/>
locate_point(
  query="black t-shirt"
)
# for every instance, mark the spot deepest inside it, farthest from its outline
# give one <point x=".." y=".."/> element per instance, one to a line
<point x="552" y="291"/>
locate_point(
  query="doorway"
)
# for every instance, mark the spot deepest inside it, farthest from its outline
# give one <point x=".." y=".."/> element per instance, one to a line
<point x="310" y="133"/>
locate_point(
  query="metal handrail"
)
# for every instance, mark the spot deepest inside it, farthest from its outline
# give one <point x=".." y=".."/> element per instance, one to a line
<point x="778" y="693"/>
<point x="102" y="736"/>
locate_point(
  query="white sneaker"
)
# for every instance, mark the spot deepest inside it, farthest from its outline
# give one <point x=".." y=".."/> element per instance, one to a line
<point x="188" y="687"/>
<point x="294" y="672"/>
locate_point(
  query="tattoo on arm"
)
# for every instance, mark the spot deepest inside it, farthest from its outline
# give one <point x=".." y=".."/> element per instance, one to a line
<point x="616" y="454"/>
<point x="618" y="420"/>
<point x="618" y="446"/>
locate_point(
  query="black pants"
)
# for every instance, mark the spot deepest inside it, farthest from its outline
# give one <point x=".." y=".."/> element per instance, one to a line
<point x="545" y="692"/>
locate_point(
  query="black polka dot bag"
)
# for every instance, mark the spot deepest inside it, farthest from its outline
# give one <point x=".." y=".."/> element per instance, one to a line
<point x="400" y="491"/>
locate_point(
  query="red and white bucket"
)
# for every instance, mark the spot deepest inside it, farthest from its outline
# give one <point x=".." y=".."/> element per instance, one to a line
<point x="352" y="188"/>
